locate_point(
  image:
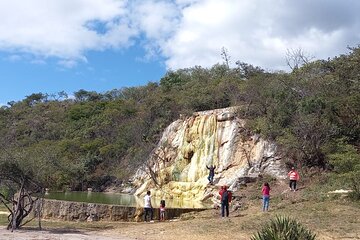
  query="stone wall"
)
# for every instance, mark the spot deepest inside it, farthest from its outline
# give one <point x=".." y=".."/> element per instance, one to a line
<point x="79" y="211"/>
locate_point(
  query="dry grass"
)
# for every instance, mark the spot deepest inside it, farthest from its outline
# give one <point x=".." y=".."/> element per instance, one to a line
<point x="329" y="220"/>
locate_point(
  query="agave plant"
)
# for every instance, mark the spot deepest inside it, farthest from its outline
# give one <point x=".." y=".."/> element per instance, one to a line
<point x="283" y="228"/>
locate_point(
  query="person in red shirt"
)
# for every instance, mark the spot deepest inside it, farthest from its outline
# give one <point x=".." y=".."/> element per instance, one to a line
<point x="266" y="196"/>
<point x="293" y="177"/>
<point x="225" y="197"/>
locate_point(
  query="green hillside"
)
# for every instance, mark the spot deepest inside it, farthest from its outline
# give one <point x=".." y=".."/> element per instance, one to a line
<point x="95" y="139"/>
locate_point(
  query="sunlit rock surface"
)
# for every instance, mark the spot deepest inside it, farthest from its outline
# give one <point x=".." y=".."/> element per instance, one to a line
<point x="177" y="167"/>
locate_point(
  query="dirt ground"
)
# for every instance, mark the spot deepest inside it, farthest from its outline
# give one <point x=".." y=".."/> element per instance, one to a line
<point x="329" y="219"/>
<point x="331" y="222"/>
<point x="338" y="222"/>
<point x="55" y="234"/>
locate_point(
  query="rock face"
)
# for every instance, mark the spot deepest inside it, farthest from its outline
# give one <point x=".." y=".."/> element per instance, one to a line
<point x="177" y="167"/>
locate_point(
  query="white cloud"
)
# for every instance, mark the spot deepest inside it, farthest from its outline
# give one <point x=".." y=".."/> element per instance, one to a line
<point x="184" y="32"/>
<point x="260" y="32"/>
<point x="157" y="19"/>
<point x="59" y="28"/>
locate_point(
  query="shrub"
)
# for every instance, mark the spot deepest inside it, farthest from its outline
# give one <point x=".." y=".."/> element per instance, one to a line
<point x="346" y="163"/>
<point x="283" y="228"/>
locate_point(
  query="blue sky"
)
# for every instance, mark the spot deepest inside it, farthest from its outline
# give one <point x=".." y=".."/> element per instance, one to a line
<point x="98" y="45"/>
<point x="104" y="71"/>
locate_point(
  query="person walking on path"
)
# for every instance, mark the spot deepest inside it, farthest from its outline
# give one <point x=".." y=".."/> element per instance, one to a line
<point x="211" y="173"/>
<point x="225" y="197"/>
<point x="266" y="196"/>
<point x="293" y="177"/>
<point x="147" y="206"/>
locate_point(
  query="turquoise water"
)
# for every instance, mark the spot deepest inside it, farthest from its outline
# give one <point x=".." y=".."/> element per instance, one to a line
<point x="121" y="199"/>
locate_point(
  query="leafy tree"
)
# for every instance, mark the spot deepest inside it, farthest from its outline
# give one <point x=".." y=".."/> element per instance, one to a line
<point x="83" y="95"/>
<point x="23" y="178"/>
<point x="173" y="80"/>
<point x="35" y="98"/>
<point x="248" y="71"/>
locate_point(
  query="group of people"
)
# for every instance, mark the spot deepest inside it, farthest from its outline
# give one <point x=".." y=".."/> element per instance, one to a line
<point x="225" y="196"/>
<point x="293" y="177"/>
<point x="148" y="209"/>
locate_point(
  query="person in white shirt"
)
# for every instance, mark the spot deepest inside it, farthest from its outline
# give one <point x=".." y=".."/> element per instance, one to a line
<point x="148" y="207"/>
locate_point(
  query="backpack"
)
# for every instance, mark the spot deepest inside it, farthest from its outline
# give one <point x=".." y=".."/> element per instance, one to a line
<point x="225" y="196"/>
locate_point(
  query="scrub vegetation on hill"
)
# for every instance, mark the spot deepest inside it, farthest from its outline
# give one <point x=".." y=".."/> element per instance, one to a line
<point x="95" y="139"/>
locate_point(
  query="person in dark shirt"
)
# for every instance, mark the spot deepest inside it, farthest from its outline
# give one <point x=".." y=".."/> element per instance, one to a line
<point x="225" y="198"/>
<point x="211" y="173"/>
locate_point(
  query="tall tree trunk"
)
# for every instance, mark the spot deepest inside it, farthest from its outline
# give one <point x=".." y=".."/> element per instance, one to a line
<point x="16" y="208"/>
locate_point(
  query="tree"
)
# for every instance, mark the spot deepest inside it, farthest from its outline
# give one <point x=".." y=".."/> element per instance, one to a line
<point x="18" y="192"/>
<point x="24" y="174"/>
<point x="295" y="58"/>
<point x="247" y="70"/>
<point x="83" y="95"/>
<point x="173" y="80"/>
<point x="35" y="98"/>
<point x="225" y="56"/>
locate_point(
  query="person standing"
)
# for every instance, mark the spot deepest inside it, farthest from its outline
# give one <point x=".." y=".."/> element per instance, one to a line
<point x="211" y="173"/>
<point x="266" y="196"/>
<point x="225" y="197"/>
<point x="162" y="210"/>
<point x="293" y="177"/>
<point x="147" y="206"/>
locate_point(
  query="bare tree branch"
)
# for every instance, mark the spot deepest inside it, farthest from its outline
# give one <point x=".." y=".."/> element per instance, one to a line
<point x="295" y="58"/>
<point x="225" y="56"/>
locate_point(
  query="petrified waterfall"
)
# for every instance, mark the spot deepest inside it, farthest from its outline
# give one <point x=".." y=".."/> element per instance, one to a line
<point x="177" y="167"/>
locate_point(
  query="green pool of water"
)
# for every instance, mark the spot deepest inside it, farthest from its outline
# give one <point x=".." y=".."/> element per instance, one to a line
<point x="121" y="199"/>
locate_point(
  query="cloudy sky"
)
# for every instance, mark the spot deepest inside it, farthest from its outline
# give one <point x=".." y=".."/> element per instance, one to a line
<point x="50" y="46"/>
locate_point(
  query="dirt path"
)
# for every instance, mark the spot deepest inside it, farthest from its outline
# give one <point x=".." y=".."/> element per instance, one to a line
<point x="58" y="234"/>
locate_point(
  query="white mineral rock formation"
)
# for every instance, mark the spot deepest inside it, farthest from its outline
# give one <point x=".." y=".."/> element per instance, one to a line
<point x="177" y="167"/>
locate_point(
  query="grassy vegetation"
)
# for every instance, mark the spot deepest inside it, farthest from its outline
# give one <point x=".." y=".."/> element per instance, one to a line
<point x="283" y="228"/>
<point x="3" y="216"/>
